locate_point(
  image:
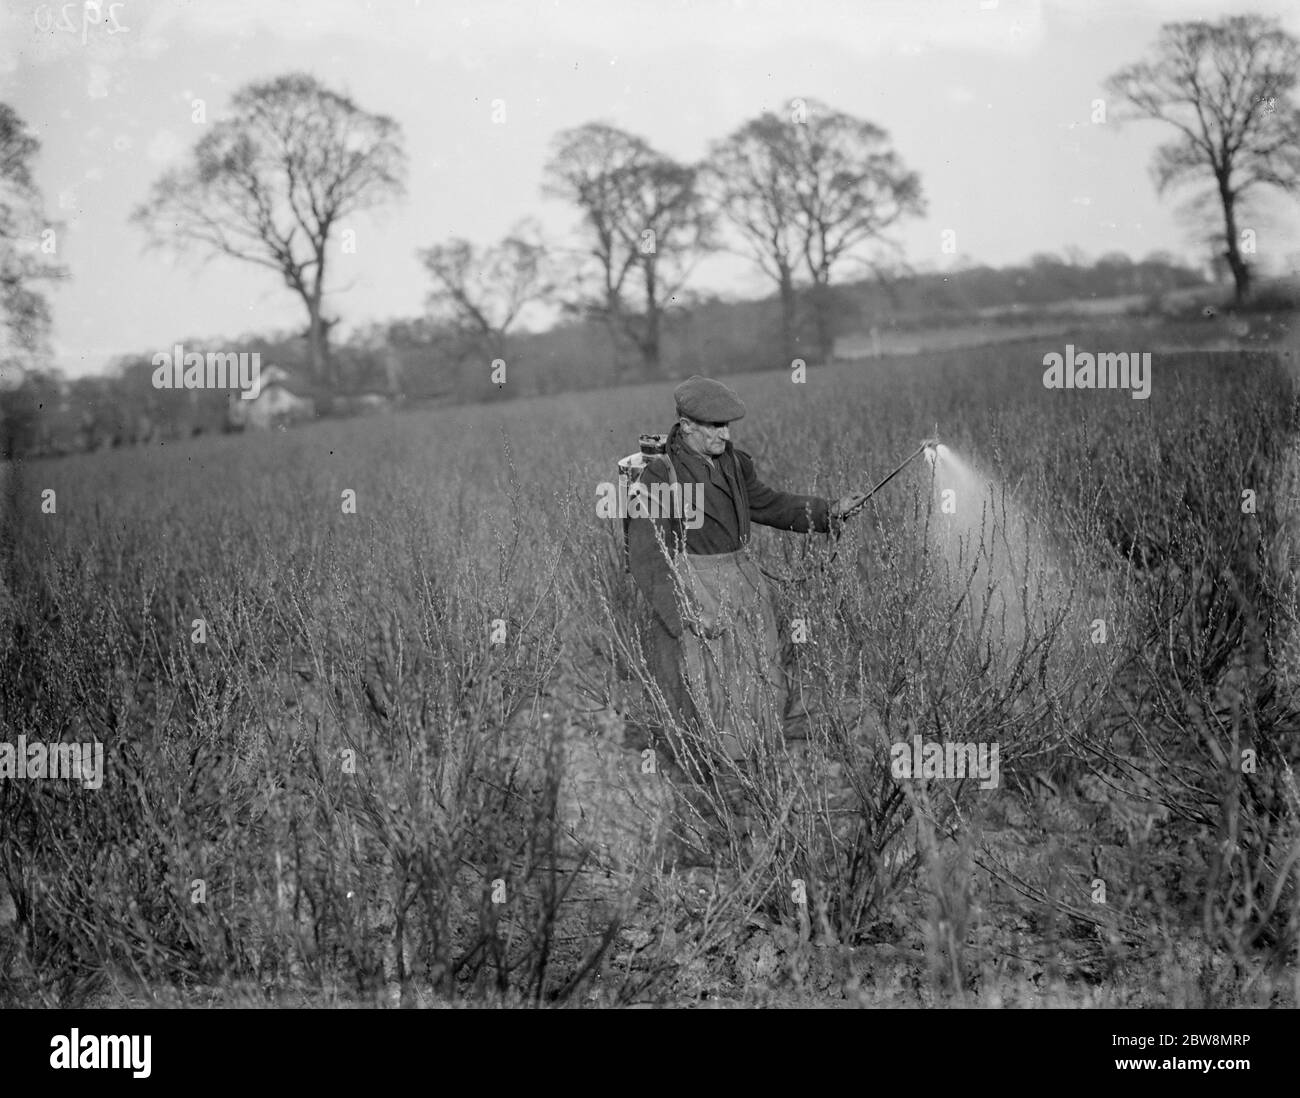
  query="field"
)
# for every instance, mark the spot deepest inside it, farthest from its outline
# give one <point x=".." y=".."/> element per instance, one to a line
<point x="400" y="752"/>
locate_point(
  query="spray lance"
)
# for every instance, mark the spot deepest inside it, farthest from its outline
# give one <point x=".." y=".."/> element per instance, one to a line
<point x="929" y="446"/>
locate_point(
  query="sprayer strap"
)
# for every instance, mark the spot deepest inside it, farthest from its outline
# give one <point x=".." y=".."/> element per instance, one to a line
<point x="674" y="524"/>
<point x="672" y="469"/>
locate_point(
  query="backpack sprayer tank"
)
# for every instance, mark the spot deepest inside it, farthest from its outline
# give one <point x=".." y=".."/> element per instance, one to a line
<point x="631" y="467"/>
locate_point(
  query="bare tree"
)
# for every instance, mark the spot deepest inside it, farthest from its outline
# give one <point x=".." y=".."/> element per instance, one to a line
<point x="1226" y="88"/>
<point x="270" y="184"/>
<point x="24" y="312"/>
<point x="646" y="226"/>
<point x="750" y="176"/>
<point x="852" y="188"/>
<point x="806" y="194"/>
<point x="482" y="291"/>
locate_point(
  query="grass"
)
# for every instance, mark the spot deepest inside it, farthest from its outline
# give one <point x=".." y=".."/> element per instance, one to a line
<point x="403" y="763"/>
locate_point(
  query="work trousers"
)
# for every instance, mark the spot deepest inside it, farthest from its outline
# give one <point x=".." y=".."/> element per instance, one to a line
<point x="736" y="673"/>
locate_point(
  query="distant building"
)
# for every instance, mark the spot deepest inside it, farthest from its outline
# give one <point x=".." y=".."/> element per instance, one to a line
<point x="276" y="405"/>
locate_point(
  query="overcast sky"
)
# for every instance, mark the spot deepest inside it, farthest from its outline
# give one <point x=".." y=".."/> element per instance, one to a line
<point x="989" y="100"/>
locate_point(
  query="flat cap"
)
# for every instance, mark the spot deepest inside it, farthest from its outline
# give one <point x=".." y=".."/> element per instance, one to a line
<point x="707" y="401"/>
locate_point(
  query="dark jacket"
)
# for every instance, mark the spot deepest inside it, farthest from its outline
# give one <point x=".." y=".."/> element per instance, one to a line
<point x="733" y="498"/>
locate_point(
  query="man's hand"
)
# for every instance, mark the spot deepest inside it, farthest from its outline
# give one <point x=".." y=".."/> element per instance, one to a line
<point x="845" y="504"/>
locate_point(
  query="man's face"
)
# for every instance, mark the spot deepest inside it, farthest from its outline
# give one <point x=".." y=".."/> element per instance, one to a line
<point x="706" y="438"/>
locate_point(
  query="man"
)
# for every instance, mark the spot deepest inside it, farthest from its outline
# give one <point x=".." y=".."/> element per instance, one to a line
<point x="714" y="626"/>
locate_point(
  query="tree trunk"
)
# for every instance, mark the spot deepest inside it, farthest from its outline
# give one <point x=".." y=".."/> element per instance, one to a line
<point x="789" y="306"/>
<point x="1240" y="271"/>
<point x="650" y="348"/>
<point x="613" y="318"/>
<point x="318" y="333"/>
<point x="822" y="317"/>
<point x="650" y="333"/>
<point x="318" y="346"/>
